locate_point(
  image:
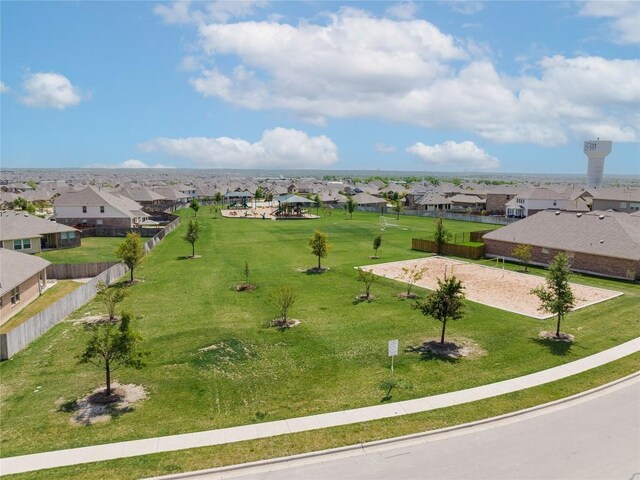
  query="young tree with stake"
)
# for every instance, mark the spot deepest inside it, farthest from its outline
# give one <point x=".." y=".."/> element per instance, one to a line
<point x="195" y="206"/>
<point x="412" y="275"/>
<point x="444" y="304"/>
<point x="350" y="206"/>
<point x="557" y="297"/>
<point x="112" y="346"/>
<point x="110" y="297"/>
<point x="131" y="251"/>
<point x="284" y="297"/>
<point x="320" y="246"/>
<point x="441" y="236"/>
<point x="522" y="252"/>
<point x="377" y="241"/>
<point x="367" y="278"/>
<point x="192" y="235"/>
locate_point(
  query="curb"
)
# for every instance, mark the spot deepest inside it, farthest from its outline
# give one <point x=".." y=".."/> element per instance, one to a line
<point x="392" y="441"/>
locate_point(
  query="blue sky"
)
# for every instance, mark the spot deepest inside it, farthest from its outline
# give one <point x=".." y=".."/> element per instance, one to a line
<point x="436" y="86"/>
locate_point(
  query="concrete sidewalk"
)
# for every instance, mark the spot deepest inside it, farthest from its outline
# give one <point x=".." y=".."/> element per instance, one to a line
<point x="75" y="456"/>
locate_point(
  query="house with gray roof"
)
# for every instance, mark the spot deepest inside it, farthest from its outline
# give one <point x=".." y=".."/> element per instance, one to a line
<point x="600" y="243"/>
<point x="23" y="278"/>
<point x="30" y="234"/>
<point x="618" y="199"/>
<point x="93" y="206"/>
<point x="536" y="199"/>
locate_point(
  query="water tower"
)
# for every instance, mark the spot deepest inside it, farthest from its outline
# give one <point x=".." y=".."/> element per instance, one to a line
<point x="596" y="151"/>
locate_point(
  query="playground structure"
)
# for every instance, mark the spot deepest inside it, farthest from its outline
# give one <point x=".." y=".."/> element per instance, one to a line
<point x="495" y="287"/>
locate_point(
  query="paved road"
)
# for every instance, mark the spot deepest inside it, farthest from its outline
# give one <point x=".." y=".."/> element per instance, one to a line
<point x="597" y="437"/>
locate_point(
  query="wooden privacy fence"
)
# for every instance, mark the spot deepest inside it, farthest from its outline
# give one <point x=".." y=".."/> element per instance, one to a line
<point x="22" y="335"/>
<point x="457" y="250"/>
<point x="25" y="333"/>
<point x="63" y="271"/>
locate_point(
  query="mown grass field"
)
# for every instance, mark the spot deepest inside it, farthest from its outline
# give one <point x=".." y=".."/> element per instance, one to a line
<point x="91" y="249"/>
<point x="335" y="359"/>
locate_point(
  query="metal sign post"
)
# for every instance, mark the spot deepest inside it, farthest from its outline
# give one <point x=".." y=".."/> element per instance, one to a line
<point x="393" y="351"/>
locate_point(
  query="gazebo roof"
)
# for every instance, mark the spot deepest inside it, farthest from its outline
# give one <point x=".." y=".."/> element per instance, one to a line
<point x="294" y="199"/>
<point x="238" y="195"/>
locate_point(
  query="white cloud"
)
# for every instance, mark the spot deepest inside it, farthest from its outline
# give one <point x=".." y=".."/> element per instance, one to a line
<point x="454" y="156"/>
<point x="382" y="148"/>
<point x="354" y="65"/>
<point x="50" y="90"/>
<point x="278" y="148"/>
<point x="4" y="88"/>
<point x="465" y="7"/>
<point x="624" y="15"/>
<point x="183" y="11"/>
<point x="402" y="10"/>
<point x="131" y="163"/>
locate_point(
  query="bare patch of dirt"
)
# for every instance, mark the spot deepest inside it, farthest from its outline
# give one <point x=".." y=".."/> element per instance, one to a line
<point x="280" y="323"/>
<point x="564" y="337"/>
<point x="454" y="350"/>
<point x="364" y="298"/>
<point x="91" y="319"/>
<point x="410" y="296"/>
<point x="243" y="287"/>
<point x="315" y="270"/>
<point x="97" y="407"/>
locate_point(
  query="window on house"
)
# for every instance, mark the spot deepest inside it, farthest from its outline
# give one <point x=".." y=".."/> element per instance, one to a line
<point x="63" y="236"/>
<point x="15" y="295"/>
<point x="623" y="204"/>
<point x="84" y="209"/>
<point x="101" y="208"/>
<point x="22" y="244"/>
<point x="71" y="235"/>
<point x="84" y="221"/>
<point x="98" y="222"/>
<point x="545" y="251"/>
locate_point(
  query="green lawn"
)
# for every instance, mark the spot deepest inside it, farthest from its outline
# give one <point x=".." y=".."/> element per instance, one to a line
<point x="51" y="295"/>
<point x="335" y="359"/>
<point x="92" y="249"/>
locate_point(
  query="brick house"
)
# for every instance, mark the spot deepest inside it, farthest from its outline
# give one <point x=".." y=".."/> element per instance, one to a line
<point x="30" y="234"/>
<point x="91" y="207"/>
<point x="23" y="278"/>
<point x="600" y="243"/>
<point x="618" y="199"/>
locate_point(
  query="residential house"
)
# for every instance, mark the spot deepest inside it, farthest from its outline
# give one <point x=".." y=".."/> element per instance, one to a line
<point x="536" y="199"/>
<point x="149" y="200"/>
<point x="432" y="201"/>
<point x="173" y="198"/>
<point x="618" y="199"/>
<point x="93" y="207"/>
<point x="368" y="202"/>
<point x="498" y="196"/>
<point x="23" y="278"/>
<point x="30" y="234"/>
<point x="601" y="243"/>
<point x="467" y="203"/>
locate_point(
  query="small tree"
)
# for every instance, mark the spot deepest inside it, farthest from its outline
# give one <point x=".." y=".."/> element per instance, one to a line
<point x="412" y="275"/>
<point x="522" y="252"/>
<point x="217" y="198"/>
<point x="367" y="278"/>
<point x="444" y="304"/>
<point x="350" y="206"/>
<point x="284" y="297"/>
<point x="195" y="206"/>
<point x="377" y="241"/>
<point x="557" y="297"/>
<point x="318" y="204"/>
<point x="20" y="203"/>
<point x="441" y="236"/>
<point x="110" y="297"/>
<point x="398" y="206"/>
<point x="246" y="272"/>
<point x="131" y="251"/>
<point x="192" y="235"/>
<point x="320" y="245"/>
<point x="111" y="346"/>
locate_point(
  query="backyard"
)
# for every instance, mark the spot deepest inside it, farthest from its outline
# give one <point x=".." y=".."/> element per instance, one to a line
<point x="92" y="249"/>
<point x="214" y="363"/>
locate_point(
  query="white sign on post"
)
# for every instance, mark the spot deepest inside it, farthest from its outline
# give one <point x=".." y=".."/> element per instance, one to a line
<point x="393" y="348"/>
<point x="393" y="351"/>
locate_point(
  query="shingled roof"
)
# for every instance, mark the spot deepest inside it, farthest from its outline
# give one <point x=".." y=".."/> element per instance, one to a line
<point x="14" y="225"/>
<point x="18" y="267"/>
<point x="609" y="234"/>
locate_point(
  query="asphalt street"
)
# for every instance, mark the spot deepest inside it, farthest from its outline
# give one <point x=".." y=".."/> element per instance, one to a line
<point x="597" y="437"/>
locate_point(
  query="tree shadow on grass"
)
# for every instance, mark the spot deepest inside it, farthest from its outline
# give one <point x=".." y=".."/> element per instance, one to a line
<point x="316" y="271"/>
<point x="433" y="351"/>
<point x="555" y="347"/>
